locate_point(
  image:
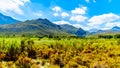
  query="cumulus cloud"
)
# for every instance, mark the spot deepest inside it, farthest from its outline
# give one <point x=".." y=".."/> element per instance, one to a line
<point x="80" y="10"/>
<point x="81" y="26"/>
<point x="64" y="14"/>
<point x="78" y="18"/>
<point x="101" y="19"/>
<point x="12" y="5"/>
<point x="56" y="9"/>
<point x="112" y="24"/>
<point x="61" y="22"/>
<point x="78" y="14"/>
<point x="55" y="14"/>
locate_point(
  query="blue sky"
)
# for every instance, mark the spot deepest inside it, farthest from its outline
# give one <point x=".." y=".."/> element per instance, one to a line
<point x="86" y="14"/>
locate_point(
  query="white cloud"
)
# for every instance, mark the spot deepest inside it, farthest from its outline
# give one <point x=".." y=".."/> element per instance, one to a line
<point x="78" y="18"/>
<point x="61" y="22"/>
<point x="109" y="24"/>
<point x="80" y="10"/>
<point x="77" y="25"/>
<point x="101" y="19"/>
<point x="12" y="5"/>
<point x="39" y="14"/>
<point x="58" y="12"/>
<point x="112" y="24"/>
<point x="55" y="14"/>
<point x="25" y="1"/>
<point x="64" y="14"/>
<point x="81" y="26"/>
<point x="88" y="1"/>
<point x="56" y="9"/>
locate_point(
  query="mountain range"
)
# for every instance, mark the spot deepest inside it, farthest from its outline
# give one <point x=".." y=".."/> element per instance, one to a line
<point x="115" y="29"/>
<point x="10" y="26"/>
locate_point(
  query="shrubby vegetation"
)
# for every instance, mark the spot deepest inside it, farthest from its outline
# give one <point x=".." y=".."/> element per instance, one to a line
<point x="59" y="52"/>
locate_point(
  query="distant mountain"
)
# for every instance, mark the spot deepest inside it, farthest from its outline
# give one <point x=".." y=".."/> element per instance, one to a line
<point x="7" y="20"/>
<point x="115" y="28"/>
<point x="81" y="32"/>
<point x="73" y="30"/>
<point x="69" y="28"/>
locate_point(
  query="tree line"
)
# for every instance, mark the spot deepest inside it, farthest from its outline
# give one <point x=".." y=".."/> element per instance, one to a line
<point x="116" y="36"/>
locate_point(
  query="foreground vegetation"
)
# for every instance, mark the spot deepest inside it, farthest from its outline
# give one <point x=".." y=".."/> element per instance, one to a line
<point x="59" y="53"/>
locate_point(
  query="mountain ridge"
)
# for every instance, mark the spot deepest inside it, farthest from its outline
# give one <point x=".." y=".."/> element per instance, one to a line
<point x="7" y="19"/>
<point x="114" y="29"/>
<point x="38" y="27"/>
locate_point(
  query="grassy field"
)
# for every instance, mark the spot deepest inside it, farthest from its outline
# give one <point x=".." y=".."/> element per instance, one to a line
<point x="59" y="53"/>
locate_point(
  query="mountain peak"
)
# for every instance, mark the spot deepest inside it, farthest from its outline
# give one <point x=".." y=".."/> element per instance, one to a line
<point x="116" y="27"/>
<point x="43" y="19"/>
<point x="81" y="32"/>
